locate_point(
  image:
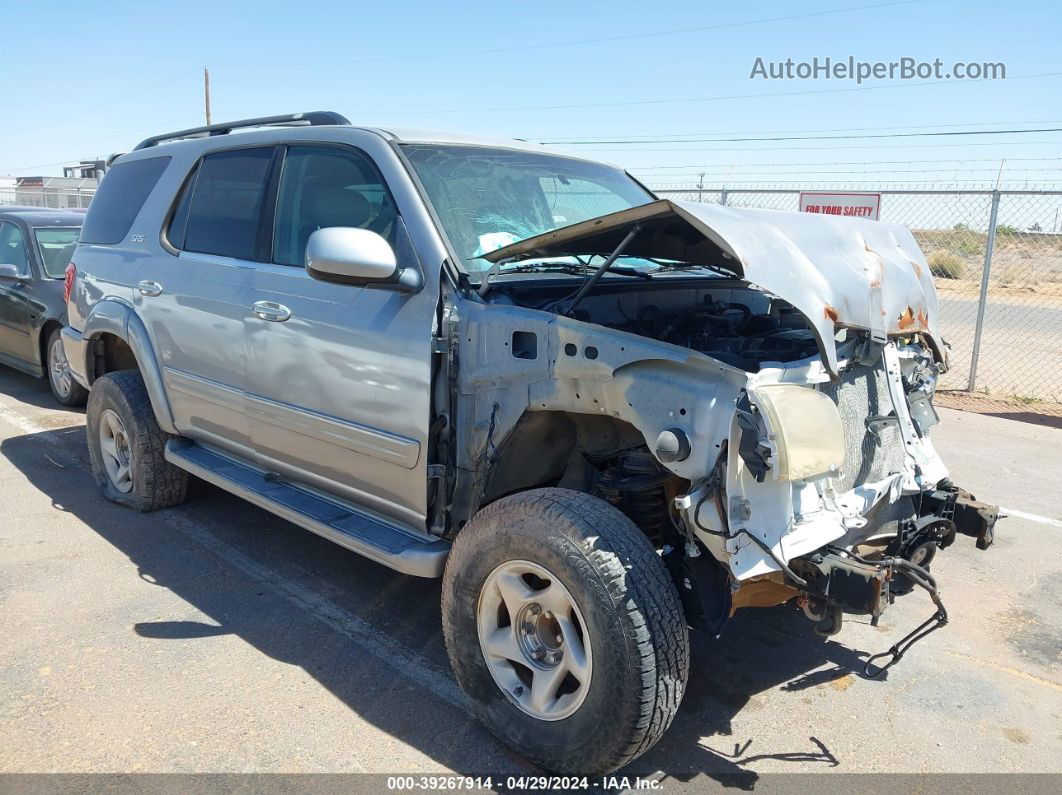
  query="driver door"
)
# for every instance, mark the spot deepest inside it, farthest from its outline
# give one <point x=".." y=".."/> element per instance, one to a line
<point x="339" y="376"/>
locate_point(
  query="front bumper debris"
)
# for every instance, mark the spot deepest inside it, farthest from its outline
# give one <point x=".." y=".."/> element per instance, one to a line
<point x="840" y="581"/>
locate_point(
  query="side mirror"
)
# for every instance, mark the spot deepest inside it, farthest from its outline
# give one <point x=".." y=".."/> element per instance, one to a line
<point x="9" y="271"/>
<point x="347" y="255"/>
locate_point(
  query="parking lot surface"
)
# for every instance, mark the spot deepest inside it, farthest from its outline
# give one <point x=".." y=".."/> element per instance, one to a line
<point x="216" y="637"/>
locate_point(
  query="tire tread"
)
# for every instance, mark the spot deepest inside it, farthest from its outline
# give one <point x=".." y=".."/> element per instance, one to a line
<point x="659" y="635"/>
<point x="159" y="484"/>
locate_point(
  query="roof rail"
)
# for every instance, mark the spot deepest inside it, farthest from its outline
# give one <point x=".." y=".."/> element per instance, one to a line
<point x="312" y="119"/>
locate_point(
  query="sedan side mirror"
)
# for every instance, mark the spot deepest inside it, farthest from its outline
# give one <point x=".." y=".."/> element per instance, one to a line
<point x="10" y="271"/>
<point x="347" y="255"/>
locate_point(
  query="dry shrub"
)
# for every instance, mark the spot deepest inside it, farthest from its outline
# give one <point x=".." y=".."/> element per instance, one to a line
<point x="946" y="265"/>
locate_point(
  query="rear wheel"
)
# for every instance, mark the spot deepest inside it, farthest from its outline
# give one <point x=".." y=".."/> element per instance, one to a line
<point x="65" y="389"/>
<point x="126" y="445"/>
<point x="565" y="630"/>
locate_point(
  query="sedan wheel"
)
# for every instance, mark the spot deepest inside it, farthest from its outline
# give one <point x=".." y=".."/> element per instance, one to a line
<point x="59" y="368"/>
<point x="60" y="378"/>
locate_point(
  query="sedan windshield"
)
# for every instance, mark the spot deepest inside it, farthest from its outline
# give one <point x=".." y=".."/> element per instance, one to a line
<point x="488" y="198"/>
<point x="56" y="244"/>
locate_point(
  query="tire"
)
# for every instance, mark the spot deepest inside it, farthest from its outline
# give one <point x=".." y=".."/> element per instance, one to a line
<point x="152" y="481"/>
<point x="625" y="601"/>
<point x="65" y="389"/>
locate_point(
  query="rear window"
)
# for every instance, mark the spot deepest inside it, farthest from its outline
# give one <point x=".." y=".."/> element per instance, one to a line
<point x="220" y="211"/>
<point x="56" y="245"/>
<point x="119" y="199"/>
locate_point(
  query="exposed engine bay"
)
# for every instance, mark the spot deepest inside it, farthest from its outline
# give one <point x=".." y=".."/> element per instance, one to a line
<point x="764" y="418"/>
<point x="734" y="323"/>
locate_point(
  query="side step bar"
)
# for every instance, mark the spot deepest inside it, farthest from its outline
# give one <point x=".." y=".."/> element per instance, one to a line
<point x="347" y="526"/>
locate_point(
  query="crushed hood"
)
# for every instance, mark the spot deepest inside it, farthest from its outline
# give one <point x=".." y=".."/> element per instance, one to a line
<point x="838" y="272"/>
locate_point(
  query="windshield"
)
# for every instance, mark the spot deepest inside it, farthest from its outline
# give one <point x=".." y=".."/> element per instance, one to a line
<point x="56" y="244"/>
<point x="488" y="198"/>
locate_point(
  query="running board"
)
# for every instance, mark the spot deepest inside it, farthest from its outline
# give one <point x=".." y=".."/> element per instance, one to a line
<point x="347" y="526"/>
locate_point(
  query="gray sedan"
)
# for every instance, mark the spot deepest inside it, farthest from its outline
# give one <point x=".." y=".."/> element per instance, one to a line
<point x="35" y="248"/>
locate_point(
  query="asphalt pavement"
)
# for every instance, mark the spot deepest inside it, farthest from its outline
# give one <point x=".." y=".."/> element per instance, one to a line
<point x="214" y="637"/>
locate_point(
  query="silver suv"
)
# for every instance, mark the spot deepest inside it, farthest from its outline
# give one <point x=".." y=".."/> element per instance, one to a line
<point x="601" y="418"/>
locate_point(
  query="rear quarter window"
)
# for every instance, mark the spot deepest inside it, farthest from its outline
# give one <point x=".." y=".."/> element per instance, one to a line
<point x="119" y="199"/>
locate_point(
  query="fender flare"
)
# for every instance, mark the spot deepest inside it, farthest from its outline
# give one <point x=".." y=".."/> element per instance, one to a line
<point x="118" y="318"/>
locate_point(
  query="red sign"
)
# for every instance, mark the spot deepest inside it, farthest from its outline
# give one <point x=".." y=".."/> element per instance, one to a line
<point x="852" y="205"/>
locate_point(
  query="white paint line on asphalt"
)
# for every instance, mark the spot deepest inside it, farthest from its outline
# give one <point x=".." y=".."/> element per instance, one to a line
<point x="374" y="641"/>
<point x="13" y="417"/>
<point x="1032" y="517"/>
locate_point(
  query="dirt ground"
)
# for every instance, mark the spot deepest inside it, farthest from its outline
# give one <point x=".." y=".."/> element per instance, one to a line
<point x="1036" y="412"/>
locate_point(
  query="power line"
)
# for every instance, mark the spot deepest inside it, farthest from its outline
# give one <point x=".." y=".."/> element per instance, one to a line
<point x="719" y="98"/>
<point x="862" y="163"/>
<point x="723" y="172"/>
<point x="578" y="139"/>
<point x="736" y="185"/>
<point x="817" y="148"/>
<point x="579" y="42"/>
<point x="815" y="137"/>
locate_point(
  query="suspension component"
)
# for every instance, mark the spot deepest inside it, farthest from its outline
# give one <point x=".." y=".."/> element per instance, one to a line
<point x="635" y="484"/>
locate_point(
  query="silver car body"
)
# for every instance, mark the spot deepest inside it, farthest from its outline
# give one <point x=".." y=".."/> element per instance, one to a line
<point x="341" y="397"/>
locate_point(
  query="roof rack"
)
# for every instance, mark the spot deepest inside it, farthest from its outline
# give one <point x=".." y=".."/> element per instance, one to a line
<point x="312" y="119"/>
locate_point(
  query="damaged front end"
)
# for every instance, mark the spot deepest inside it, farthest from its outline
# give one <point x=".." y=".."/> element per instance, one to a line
<point x="767" y="425"/>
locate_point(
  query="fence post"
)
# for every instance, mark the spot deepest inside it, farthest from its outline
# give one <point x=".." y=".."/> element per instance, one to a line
<point x="722" y="196"/>
<point x="990" y="245"/>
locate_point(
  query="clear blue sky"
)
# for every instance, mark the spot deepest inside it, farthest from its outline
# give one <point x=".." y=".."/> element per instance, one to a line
<point x="83" y="79"/>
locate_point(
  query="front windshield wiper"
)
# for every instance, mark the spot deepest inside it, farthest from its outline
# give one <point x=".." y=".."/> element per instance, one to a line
<point x="545" y="266"/>
<point x="576" y="268"/>
<point x="668" y="267"/>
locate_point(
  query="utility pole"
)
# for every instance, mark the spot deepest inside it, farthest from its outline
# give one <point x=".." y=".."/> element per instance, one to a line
<point x="206" y="93"/>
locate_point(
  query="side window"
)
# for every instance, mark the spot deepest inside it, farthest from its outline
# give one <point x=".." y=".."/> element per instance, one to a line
<point x="119" y="198"/>
<point x="323" y="186"/>
<point x="179" y="222"/>
<point x="13" y="247"/>
<point x="221" y="209"/>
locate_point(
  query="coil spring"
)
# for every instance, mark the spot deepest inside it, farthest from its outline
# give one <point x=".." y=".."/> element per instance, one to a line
<point x="635" y="485"/>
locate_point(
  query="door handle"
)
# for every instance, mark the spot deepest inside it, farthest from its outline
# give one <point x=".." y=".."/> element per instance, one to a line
<point x="149" y="288"/>
<point x="271" y="311"/>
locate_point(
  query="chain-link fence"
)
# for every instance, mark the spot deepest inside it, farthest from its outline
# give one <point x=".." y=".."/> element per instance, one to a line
<point x="996" y="255"/>
<point x="52" y="198"/>
<point x="997" y="258"/>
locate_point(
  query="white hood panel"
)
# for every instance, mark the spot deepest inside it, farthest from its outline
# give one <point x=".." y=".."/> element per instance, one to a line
<point x="838" y="272"/>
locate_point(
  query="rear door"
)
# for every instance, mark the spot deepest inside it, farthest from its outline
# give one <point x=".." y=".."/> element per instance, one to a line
<point x="338" y="382"/>
<point x="195" y="299"/>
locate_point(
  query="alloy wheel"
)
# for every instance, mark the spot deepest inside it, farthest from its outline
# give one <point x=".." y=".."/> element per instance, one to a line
<point x="59" y="368"/>
<point x="534" y="640"/>
<point x="115" y="447"/>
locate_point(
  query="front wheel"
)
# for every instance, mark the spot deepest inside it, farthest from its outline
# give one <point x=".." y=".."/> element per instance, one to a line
<point x="564" y="629"/>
